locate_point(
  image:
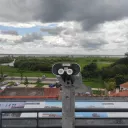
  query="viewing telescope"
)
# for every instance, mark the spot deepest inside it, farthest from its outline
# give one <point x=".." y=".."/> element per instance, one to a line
<point x="67" y="74"/>
<point x="66" y="71"/>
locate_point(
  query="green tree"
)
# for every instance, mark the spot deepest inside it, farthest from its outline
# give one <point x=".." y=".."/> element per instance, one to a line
<point x="1" y="75"/>
<point x="119" y="79"/>
<point x="90" y="67"/>
<point x="38" y="81"/>
<point x="26" y="82"/>
<point x="90" y="71"/>
<point x="111" y="84"/>
<point x="21" y="73"/>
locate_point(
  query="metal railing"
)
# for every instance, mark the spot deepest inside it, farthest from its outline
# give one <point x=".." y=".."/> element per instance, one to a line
<point x="26" y="110"/>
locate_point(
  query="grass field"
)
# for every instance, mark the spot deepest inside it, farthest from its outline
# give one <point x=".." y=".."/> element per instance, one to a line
<point x="97" y="92"/>
<point x="94" y="83"/>
<point x="14" y="72"/>
<point x="101" y="62"/>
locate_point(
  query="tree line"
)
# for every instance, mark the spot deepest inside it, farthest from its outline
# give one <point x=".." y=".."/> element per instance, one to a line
<point x="6" y="59"/>
<point x="114" y="75"/>
<point x="39" y="64"/>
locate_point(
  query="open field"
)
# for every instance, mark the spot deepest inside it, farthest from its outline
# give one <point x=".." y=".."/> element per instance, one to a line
<point x="101" y="62"/>
<point x="94" y="83"/>
<point x="14" y="72"/>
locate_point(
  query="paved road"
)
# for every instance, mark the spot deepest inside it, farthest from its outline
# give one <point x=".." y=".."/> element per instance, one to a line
<point x="102" y="89"/>
<point x="30" y="78"/>
<point x="33" y="81"/>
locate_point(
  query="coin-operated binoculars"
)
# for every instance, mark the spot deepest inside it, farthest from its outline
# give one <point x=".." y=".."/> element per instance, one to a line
<point x="66" y="74"/>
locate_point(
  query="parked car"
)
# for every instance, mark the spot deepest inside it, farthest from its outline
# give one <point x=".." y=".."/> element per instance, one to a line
<point x="3" y="87"/>
<point x="52" y="85"/>
<point x="43" y="77"/>
<point x="5" y="75"/>
<point x="3" y="83"/>
<point x="16" y="83"/>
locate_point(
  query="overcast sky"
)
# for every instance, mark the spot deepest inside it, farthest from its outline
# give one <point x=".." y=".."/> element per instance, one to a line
<point x="64" y="26"/>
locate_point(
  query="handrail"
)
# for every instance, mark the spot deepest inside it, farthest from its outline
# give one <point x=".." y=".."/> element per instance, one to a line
<point x="37" y="110"/>
<point x="28" y="110"/>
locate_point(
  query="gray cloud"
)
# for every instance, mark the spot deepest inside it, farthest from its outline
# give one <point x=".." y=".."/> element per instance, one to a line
<point x="93" y="44"/>
<point x="30" y="38"/>
<point x="3" y="40"/>
<point x="53" y="31"/>
<point x="88" y="12"/>
<point x="70" y="38"/>
<point x="10" y="32"/>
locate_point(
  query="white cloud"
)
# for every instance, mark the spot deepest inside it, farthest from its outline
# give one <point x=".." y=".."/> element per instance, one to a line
<point x="24" y="25"/>
<point x="109" y="38"/>
<point x="72" y="35"/>
<point x="116" y="34"/>
<point x="10" y="37"/>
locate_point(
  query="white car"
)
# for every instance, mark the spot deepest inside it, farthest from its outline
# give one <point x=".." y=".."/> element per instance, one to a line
<point x="4" y="87"/>
<point x="16" y="84"/>
<point x="88" y="93"/>
<point x="43" y="77"/>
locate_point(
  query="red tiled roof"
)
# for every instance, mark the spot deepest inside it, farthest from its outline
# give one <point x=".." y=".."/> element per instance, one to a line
<point x="51" y="92"/>
<point x="123" y="93"/>
<point x="23" y="93"/>
<point x="125" y="85"/>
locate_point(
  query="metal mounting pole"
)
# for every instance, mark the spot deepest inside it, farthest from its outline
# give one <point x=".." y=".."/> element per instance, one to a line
<point x="68" y="105"/>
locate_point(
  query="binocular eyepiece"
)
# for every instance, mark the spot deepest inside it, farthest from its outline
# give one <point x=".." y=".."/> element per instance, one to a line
<point x="65" y="68"/>
<point x="62" y="71"/>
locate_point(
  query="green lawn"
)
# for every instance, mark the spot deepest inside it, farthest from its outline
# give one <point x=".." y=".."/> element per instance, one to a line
<point x="40" y="85"/>
<point x="85" y="61"/>
<point x="97" y="92"/>
<point x="82" y="62"/>
<point x="14" y="72"/>
<point x="101" y="62"/>
<point x="31" y="74"/>
<point x="94" y="84"/>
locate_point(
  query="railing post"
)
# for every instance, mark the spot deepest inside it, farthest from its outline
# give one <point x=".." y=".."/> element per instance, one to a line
<point x="37" y="121"/>
<point x="0" y="119"/>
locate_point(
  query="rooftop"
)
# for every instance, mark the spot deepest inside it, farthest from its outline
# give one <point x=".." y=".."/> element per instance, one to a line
<point x="22" y="91"/>
<point x="122" y="93"/>
<point x="125" y="85"/>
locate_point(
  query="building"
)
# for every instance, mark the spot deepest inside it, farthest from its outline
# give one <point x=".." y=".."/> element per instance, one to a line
<point x="121" y="91"/>
<point x="124" y="86"/>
